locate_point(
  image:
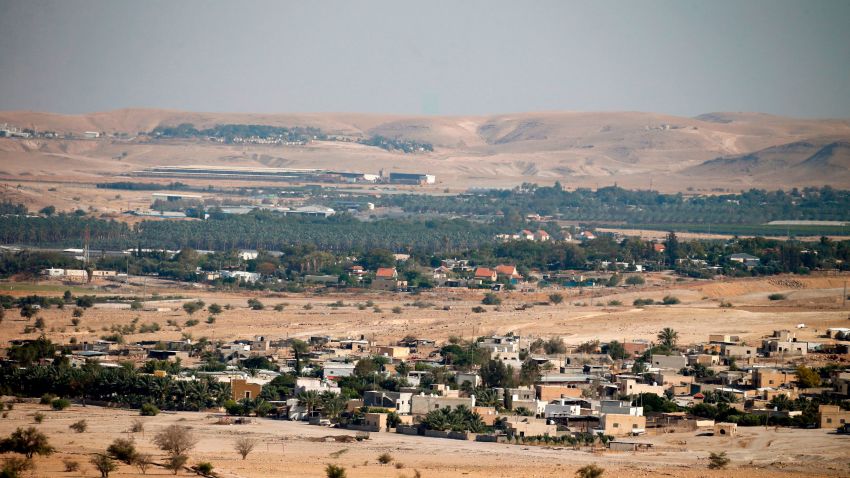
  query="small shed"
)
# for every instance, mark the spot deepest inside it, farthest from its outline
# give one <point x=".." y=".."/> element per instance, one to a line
<point x="616" y="445"/>
<point x="725" y="429"/>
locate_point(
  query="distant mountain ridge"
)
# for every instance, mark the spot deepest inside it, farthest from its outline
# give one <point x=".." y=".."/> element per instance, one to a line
<point x="719" y="149"/>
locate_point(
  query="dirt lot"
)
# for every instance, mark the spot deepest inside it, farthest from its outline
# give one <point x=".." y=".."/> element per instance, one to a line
<point x="296" y="449"/>
<point x="583" y="315"/>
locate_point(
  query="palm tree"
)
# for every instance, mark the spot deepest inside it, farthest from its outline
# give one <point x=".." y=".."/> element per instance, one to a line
<point x="668" y="337"/>
<point x="332" y="405"/>
<point x="310" y="399"/>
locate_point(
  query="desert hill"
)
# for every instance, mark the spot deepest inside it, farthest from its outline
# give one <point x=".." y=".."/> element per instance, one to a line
<point x="715" y="150"/>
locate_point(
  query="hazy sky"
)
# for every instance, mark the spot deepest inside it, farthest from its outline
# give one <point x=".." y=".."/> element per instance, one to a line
<point x="432" y="57"/>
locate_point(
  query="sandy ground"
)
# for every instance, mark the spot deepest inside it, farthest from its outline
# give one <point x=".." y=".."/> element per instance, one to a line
<point x="297" y="450"/>
<point x="584" y="315"/>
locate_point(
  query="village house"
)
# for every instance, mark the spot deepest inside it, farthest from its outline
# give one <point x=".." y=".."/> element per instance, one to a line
<point x="335" y="370"/>
<point x="386" y="278"/>
<point x="508" y="272"/>
<point x="746" y="259"/>
<point x="422" y="404"/>
<point x="485" y="274"/>
<point x="772" y="378"/>
<point x="393" y="352"/>
<point x="528" y="427"/>
<point x="401" y="402"/>
<point x="832" y="416"/>
<point x="242" y="388"/>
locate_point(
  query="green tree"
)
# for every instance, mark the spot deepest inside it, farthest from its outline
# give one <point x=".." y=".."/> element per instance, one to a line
<point x="807" y="378"/>
<point x="635" y="280"/>
<point x="616" y="350"/>
<point x="104" y="465"/>
<point x="668" y="337"/>
<point x="28" y="442"/>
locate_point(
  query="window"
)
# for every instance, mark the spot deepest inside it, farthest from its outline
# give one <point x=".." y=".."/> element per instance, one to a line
<point x="247" y="394"/>
<point x="616" y="425"/>
<point x="634" y="425"/>
<point x="828" y="420"/>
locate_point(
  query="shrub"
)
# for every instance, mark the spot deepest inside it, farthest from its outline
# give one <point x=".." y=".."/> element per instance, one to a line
<point x="142" y="462"/>
<point x="191" y="322"/>
<point x="334" y="471"/>
<point x="203" y="468"/>
<point x="211" y="320"/>
<point x="244" y="446"/>
<point x="149" y="410"/>
<point x="642" y="302"/>
<point x="137" y="426"/>
<point x="123" y="449"/>
<point x="214" y="309"/>
<point x="279" y="307"/>
<point x="104" y="465"/>
<point x="478" y="309"/>
<point x="70" y="465"/>
<point x="385" y="458"/>
<point x="80" y="426"/>
<point x="635" y="280"/>
<point x="60" y="403"/>
<point x="397" y="310"/>
<point x="614" y="303"/>
<point x="175" y="440"/>
<point x="776" y="297"/>
<point x="46" y="399"/>
<point x="175" y="463"/>
<point x="14" y="467"/>
<point x="589" y="471"/>
<point x="717" y="461"/>
<point x="255" y="304"/>
<point x="77" y="313"/>
<point x="491" y="299"/>
<point x="38" y="417"/>
<point x="670" y="300"/>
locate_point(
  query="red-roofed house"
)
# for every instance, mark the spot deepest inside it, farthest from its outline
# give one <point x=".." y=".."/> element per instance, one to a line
<point x="485" y="274"/>
<point x="386" y="278"/>
<point x="659" y="247"/>
<point x="542" y="235"/>
<point x="527" y="235"/>
<point x="507" y="271"/>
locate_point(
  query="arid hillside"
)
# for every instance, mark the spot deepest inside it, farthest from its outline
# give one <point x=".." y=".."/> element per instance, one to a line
<point x="719" y="150"/>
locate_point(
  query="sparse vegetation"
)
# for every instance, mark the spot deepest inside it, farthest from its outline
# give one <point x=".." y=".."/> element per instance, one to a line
<point x="28" y="442"/>
<point x="244" y="446"/>
<point x="590" y="471"/>
<point x="334" y="471"/>
<point x="123" y="449"/>
<point x="718" y="461"/>
<point x="80" y="426"/>
<point x="70" y="465"/>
